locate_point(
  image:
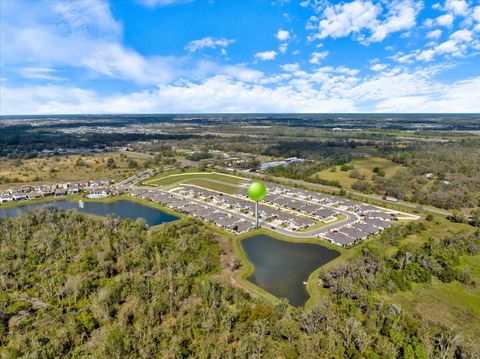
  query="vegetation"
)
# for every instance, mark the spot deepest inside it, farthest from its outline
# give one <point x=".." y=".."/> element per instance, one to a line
<point x="73" y="285"/>
<point x="72" y="167"/>
<point x="167" y="179"/>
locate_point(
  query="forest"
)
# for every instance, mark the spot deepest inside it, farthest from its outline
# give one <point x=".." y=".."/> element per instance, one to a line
<point x="77" y="286"/>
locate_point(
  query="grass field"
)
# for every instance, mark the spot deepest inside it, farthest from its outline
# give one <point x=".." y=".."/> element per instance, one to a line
<point x="451" y="305"/>
<point x="169" y="179"/>
<point x="365" y="165"/>
<point x="66" y="168"/>
<point x="213" y="185"/>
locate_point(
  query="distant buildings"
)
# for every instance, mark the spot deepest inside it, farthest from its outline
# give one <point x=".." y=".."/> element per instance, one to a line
<point x="266" y="165"/>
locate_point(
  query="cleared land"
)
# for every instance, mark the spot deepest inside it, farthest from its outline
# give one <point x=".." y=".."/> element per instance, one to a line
<point x="69" y="168"/>
<point x="364" y="165"/>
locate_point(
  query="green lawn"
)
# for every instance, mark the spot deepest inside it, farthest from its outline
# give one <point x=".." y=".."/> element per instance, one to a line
<point x="180" y="177"/>
<point x="365" y="165"/>
<point x="215" y="186"/>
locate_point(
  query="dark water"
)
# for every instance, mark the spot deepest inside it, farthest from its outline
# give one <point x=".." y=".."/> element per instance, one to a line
<point x="122" y="209"/>
<point x="281" y="267"/>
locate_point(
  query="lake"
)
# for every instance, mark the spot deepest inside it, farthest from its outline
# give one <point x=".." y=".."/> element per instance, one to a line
<point x="281" y="267"/>
<point x="122" y="209"/>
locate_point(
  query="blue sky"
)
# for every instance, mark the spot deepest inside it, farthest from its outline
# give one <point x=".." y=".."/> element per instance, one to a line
<point x="164" y="56"/>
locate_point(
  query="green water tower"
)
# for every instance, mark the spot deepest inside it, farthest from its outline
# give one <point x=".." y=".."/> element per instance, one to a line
<point x="256" y="191"/>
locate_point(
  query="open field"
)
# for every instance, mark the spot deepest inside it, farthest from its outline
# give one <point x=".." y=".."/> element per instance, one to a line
<point x="213" y="185"/>
<point x="451" y="305"/>
<point x="165" y="180"/>
<point x="69" y="168"/>
<point x="364" y="165"/>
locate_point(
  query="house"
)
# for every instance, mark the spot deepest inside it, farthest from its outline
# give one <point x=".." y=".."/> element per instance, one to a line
<point x="354" y="233"/>
<point x="367" y="228"/>
<point x="34" y="195"/>
<point x="74" y="189"/>
<point x="5" y="198"/>
<point x="19" y="196"/>
<point x="243" y="226"/>
<point x="382" y="215"/>
<point x="60" y="192"/>
<point x="323" y="213"/>
<point x="339" y="239"/>
<point x="378" y="223"/>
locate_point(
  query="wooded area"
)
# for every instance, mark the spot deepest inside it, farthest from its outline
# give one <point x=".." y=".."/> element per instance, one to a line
<point x="77" y="286"/>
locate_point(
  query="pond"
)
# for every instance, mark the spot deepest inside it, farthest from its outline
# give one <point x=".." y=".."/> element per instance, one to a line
<point x="282" y="267"/>
<point x="122" y="209"/>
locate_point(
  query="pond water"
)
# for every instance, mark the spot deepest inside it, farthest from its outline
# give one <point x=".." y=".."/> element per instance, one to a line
<point x="281" y="267"/>
<point x="122" y="209"/>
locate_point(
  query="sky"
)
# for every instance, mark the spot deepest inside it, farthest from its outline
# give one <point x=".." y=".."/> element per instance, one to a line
<point x="236" y="56"/>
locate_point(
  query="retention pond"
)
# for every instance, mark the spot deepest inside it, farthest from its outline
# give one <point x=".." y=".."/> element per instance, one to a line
<point x="122" y="209"/>
<point x="282" y="267"/>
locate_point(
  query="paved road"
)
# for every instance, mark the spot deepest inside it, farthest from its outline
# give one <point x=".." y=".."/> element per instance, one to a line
<point x="330" y="188"/>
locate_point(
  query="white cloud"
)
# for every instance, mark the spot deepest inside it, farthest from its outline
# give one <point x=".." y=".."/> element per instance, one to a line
<point x="378" y="67"/>
<point x="290" y="67"/>
<point x="208" y="42"/>
<point x="283" y="47"/>
<point x="326" y="89"/>
<point x="476" y="13"/>
<point x="84" y="35"/>
<point x="434" y="34"/>
<point x="346" y="18"/>
<point x="153" y="3"/>
<point x="457" y="7"/>
<point x="401" y="16"/>
<point x="367" y="21"/>
<point x="282" y="35"/>
<point x="445" y="20"/>
<point x="88" y="17"/>
<point x="266" y="55"/>
<point x="458" y="44"/>
<point x="317" y="57"/>
<point x="39" y="73"/>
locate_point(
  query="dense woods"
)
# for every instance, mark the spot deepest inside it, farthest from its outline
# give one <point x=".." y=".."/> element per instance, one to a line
<point x="76" y="286"/>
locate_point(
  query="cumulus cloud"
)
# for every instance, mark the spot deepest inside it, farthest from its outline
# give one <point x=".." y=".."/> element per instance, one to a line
<point x="317" y="57"/>
<point x="445" y="20"/>
<point x="327" y="89"/>
<point x="282" y="35"/>
<point x="476" y="13"/>
<point x="266" y="55"/>
<point x="290" y="67"/>
<point x="283" y="47"/>
<point x="434" y="34"/>
<point x="208" y="42"/>
<point x="366" y="21"/>
<point x="378" y="67"/>
<point x="458" y="44"/>
<point x="457" y="7"/>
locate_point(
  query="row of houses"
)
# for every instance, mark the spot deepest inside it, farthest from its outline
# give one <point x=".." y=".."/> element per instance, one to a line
<point x="31" y="192"/>
<point x="204" y="211"/>
<point x="266" y="213"/>
<point x="301" y="200"/>
<point x="354" y="233"/>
